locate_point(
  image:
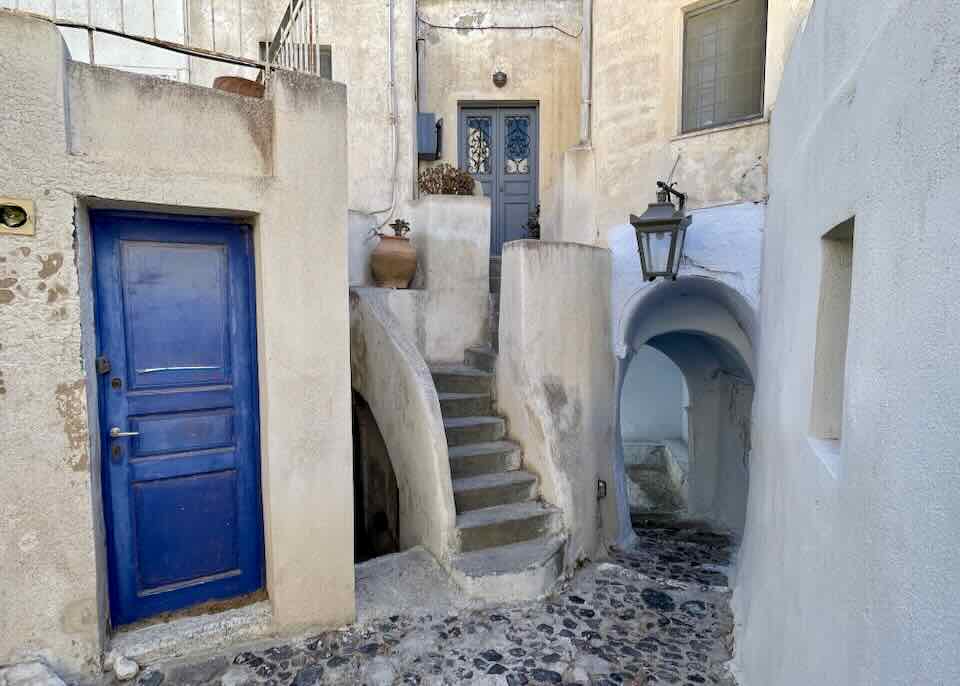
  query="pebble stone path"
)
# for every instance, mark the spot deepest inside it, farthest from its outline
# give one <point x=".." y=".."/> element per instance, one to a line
<point x="657" y="613"/>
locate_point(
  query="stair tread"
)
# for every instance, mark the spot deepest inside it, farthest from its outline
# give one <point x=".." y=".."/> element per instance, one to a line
<point x="485" y="448"/>
<point x="493" y="480"/>
<point x="462" y="396"/>
<point x="459" y="370"/>
<point x="504" y="513"/>
<point x="458" y="422"/>
<point x="514" y="557"/>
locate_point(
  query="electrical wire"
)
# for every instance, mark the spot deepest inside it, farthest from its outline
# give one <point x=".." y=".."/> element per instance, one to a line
<point x="552" y="27"/>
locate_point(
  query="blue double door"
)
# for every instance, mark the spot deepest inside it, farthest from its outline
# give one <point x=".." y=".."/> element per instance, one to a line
<point x="499" y="147"/>
<point x="178" y="411"/>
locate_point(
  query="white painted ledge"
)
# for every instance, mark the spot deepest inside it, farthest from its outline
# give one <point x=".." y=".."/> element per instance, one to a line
<point x="828" y="451"/>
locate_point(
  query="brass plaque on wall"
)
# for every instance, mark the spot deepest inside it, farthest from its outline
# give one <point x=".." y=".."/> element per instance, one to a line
<point x="17" y="217"/>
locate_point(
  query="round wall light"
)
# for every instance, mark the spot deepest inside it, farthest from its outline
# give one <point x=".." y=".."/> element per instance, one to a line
<point x="500" y="79"/>
<point x="13" y="216"/>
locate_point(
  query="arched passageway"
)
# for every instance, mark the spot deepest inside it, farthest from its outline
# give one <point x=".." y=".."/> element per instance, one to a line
<point x="376" y="497"/>
<point x="685" y="396"/>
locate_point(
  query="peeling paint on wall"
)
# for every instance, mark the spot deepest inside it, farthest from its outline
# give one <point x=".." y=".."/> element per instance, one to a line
<point x="72" y="406"/>
<point x="49" y="264"/>
<point x="6" y="290"/>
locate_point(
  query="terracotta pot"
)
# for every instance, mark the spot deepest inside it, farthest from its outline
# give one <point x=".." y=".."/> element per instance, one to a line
<point x="239" y="86"/>
<point x="393" y="262"/>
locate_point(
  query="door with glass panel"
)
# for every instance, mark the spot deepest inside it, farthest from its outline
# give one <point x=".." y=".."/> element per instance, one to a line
<point x="499" y="148"/>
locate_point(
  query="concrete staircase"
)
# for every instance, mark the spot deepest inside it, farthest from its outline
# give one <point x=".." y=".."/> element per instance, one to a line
<point x="656" y="478"/>
<point x="510" y="543"/>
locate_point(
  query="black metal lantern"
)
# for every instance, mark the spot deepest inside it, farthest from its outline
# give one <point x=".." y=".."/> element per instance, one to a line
<point x="661" y="232"/>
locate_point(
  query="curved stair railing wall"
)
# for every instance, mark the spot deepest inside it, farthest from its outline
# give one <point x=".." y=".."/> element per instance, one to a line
<point x="393" y="378"/>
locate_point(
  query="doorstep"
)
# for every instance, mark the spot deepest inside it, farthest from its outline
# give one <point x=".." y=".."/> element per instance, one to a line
<point x="187" y="635"/>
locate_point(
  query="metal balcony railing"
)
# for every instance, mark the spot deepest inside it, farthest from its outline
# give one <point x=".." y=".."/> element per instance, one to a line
<point x="173" y="25"/>
<point x="295" y="44"/>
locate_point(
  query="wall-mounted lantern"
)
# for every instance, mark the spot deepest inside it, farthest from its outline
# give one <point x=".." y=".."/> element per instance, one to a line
<point x="661" y="232"/>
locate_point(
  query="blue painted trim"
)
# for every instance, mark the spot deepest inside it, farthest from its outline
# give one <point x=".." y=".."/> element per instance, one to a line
<point x="129" y="600"/>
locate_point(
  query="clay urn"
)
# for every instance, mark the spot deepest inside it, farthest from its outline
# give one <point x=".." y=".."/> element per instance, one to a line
<point x="394" y="260"/>
<point x="239" y="86"/>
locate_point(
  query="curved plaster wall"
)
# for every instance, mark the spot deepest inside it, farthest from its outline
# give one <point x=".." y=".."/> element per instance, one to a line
<point x="391" y="375"/>
<point x="554" y="375"/>
<point x="849" y="565"/>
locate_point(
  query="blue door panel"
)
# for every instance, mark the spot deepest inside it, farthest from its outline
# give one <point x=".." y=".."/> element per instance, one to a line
<point x="175" y="318"/>
<point x="186" y="528"/>
<point x="499" y="147"/>
<point x="186" y="431"/>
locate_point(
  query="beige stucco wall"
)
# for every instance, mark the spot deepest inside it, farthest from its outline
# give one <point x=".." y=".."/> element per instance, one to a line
<point x="848" y="568"/>
<point x="542" y="67"/>
<point x="446" y="308"/>
<point x="636" y="121"/>
<point x="555" y="375"/>
<point x="71" y="137"/>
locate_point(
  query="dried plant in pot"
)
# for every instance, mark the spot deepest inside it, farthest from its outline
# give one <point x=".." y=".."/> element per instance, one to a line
<point x="443" y="179"/>
<point x="394" y="260"/>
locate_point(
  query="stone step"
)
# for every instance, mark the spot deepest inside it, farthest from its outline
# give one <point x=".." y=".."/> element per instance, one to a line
<point x="505" y="524"/>
<point x="490" y="490"/>
<point x="464" y="430"/>
<point x="461" y="379"/>
<point x="481" y="358"/>
<point x="465" y="404"/>
<point x="519" y="571"/>
<point x="484" y="458"/>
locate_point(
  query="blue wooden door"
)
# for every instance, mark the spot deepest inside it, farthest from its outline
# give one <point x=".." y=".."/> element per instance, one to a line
<point x="499" y="147"/>
<point x="181" y="473"/>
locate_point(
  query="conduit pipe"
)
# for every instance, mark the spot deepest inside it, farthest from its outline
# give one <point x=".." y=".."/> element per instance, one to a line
<point x="586" y="78"/>
<point x="392" y="105"/>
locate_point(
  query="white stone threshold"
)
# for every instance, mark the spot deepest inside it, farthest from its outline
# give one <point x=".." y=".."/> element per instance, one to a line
<point x="189" y="635"/>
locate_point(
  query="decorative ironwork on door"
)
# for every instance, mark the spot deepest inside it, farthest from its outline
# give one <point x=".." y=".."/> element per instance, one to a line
<point x="479" y="140"/>
<point x="518" y="145"/>
<point x="498" y="146"/>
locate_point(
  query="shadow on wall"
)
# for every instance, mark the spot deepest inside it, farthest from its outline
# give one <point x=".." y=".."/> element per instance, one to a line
<point x="698" y="468"/>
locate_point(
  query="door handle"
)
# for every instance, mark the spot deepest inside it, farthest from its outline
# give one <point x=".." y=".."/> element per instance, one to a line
<point x="115" y="432"/>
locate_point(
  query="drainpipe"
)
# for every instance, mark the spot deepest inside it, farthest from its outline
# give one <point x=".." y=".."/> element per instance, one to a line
<point x="586" y="78"/>
<point x="394" y="135"/>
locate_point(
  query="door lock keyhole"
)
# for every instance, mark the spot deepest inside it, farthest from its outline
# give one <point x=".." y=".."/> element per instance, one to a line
<point x="115" y="383"/>
<point x="116" y="452"/>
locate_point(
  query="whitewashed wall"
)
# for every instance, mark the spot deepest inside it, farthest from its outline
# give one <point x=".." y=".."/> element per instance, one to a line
<point x="849" y="566"/>
<point x="651" y="407"/>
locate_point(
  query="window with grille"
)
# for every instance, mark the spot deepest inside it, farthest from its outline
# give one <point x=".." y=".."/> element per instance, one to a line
<point x="723" y="63"/>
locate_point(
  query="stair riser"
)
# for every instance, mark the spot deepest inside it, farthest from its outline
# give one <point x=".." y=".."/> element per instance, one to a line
<point x="467" y="407"/>
<point x="480" y="360"/>
<point x="505" y="532"/>
<point x="475" y="465"/>
<point x="481" y="433"/>
<point x="491" y="497"/>
<point x="461" y="383"/>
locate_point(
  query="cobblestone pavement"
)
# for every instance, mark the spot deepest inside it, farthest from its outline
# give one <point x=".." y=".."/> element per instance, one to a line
<point x="657" y="613"/>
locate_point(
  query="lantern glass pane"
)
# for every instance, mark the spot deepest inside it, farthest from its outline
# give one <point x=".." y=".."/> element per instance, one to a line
<point x="681" y="240"/>
<point x="657" y="251"/>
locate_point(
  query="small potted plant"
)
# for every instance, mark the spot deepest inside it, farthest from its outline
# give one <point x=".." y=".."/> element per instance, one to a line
<point x="394" y="260"/>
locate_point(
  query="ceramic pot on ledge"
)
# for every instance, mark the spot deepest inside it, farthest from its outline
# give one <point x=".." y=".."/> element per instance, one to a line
<point x="393" y="262"/>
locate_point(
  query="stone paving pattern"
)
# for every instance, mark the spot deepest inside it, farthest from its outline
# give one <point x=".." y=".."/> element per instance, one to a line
<point x="657" y="613"/>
